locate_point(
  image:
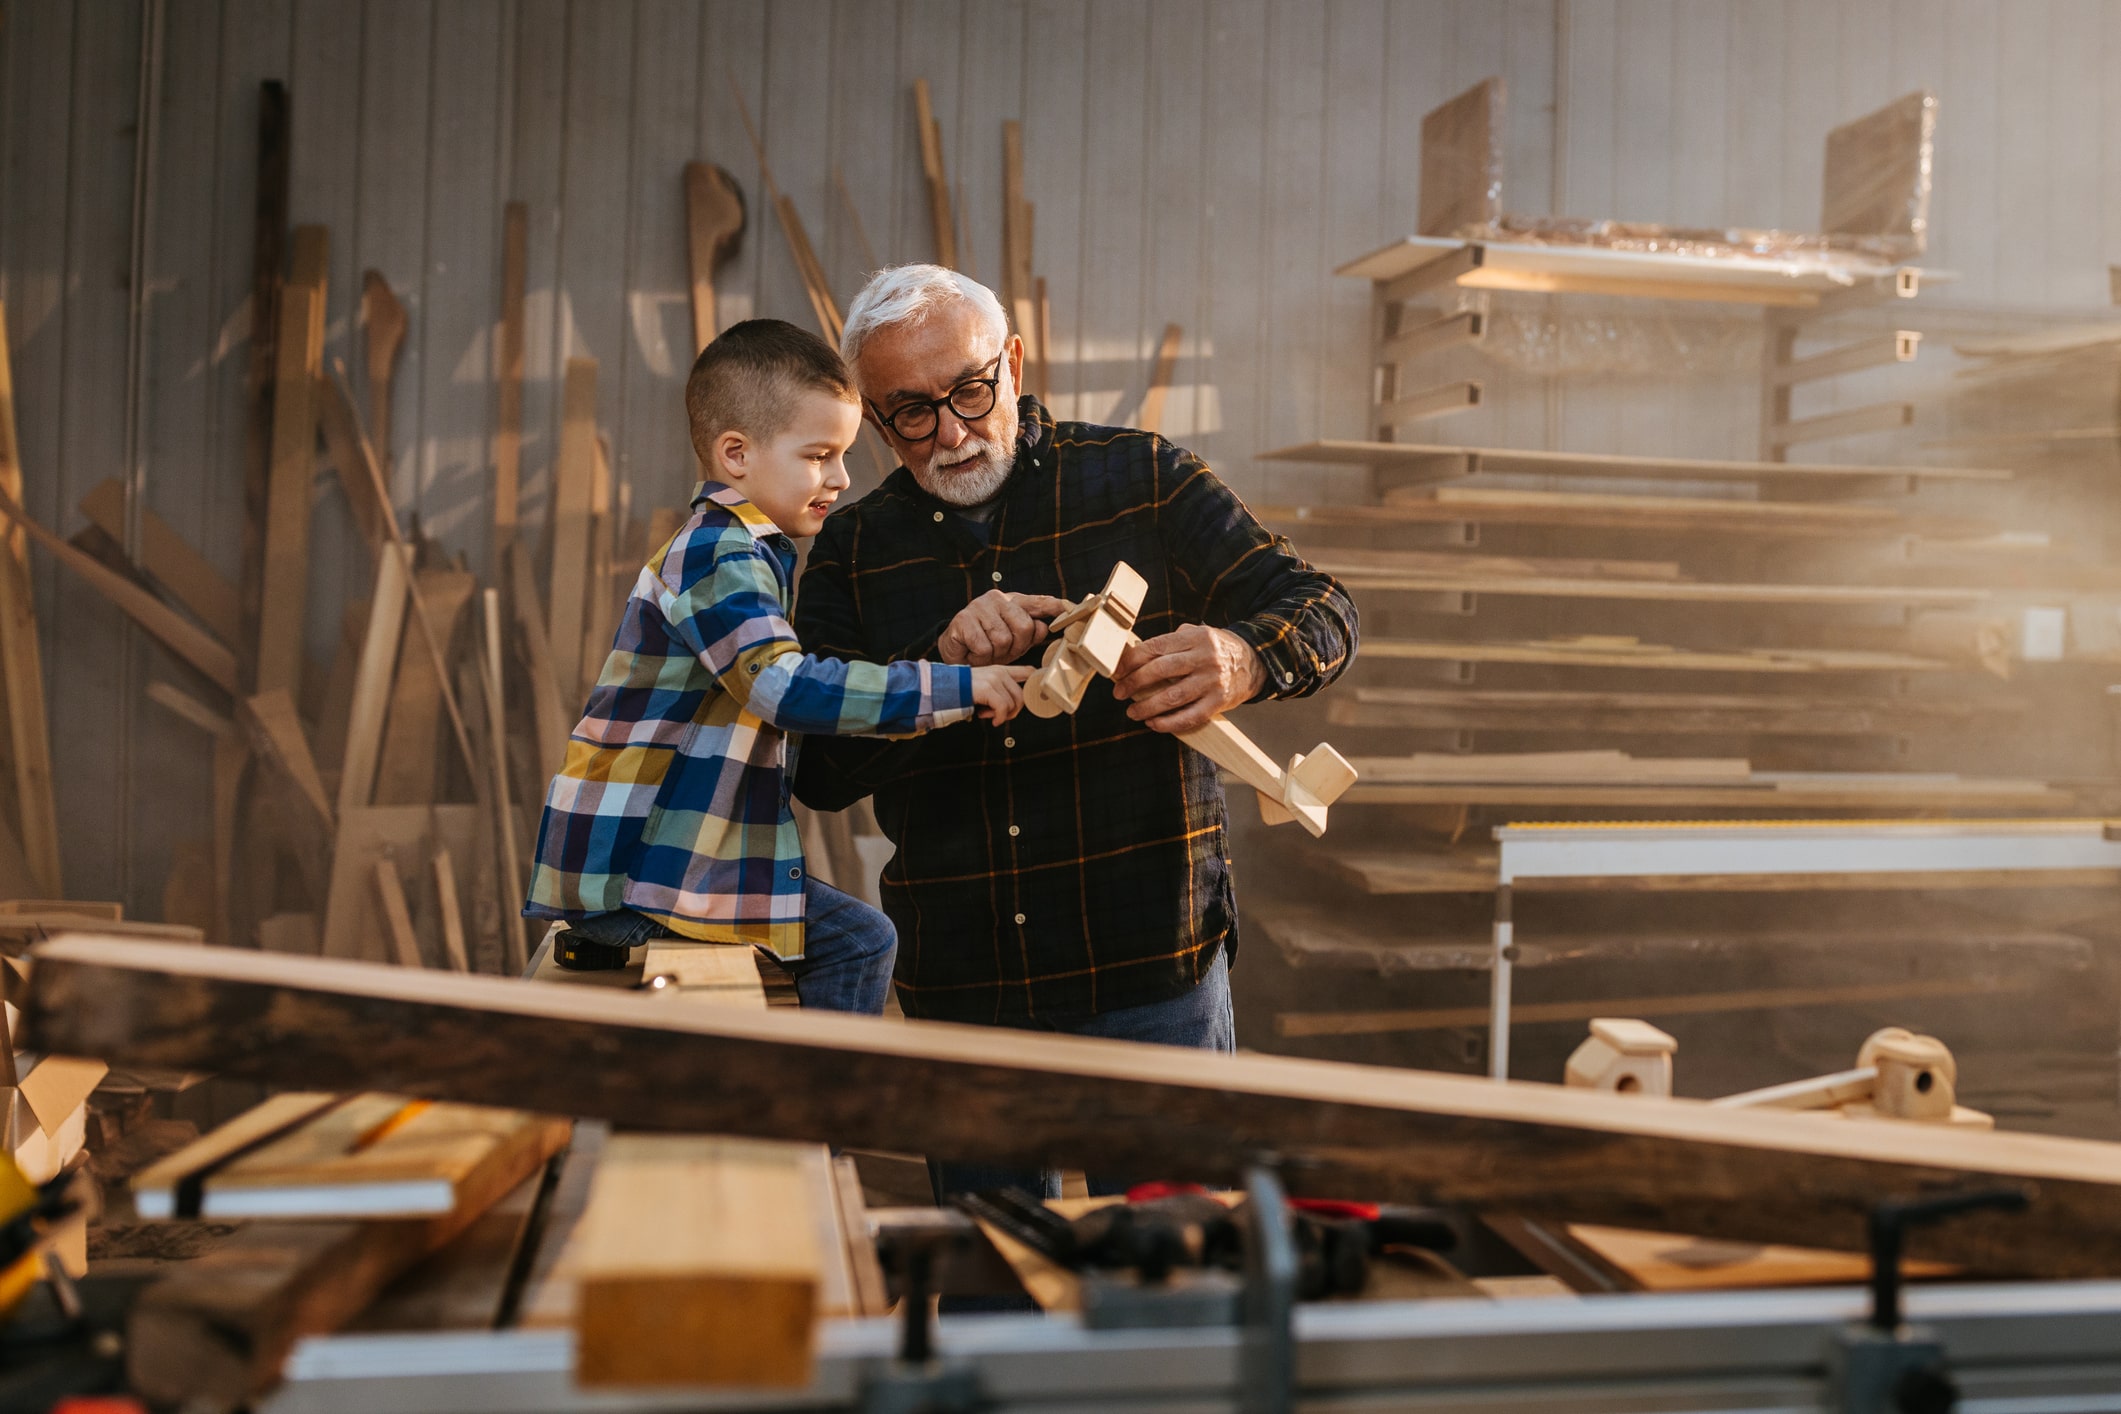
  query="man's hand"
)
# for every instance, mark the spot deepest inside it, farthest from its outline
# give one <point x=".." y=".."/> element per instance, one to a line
<point x="998" y="627"/>
<point x="1178" y="680"/>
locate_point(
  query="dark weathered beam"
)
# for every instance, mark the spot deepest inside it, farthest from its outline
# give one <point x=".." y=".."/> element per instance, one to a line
<point x="1018" y="1097"/>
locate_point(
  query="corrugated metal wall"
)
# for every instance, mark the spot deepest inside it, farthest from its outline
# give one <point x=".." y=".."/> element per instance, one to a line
<point x="1203" y="162"/>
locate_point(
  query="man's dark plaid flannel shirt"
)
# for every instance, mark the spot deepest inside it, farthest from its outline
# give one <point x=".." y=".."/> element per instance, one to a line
<point x="1051" y="869"/>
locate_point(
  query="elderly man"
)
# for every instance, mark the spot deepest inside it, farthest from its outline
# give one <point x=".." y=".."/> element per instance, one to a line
<point x="1070" y="874"/>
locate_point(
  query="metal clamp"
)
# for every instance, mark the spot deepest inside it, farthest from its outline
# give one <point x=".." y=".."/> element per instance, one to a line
<point x="1269" y="1362"/>
<point x="1885" y="1366"/>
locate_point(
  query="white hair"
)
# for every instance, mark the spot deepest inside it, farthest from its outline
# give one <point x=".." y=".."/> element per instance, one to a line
<point x="910" y="293"/>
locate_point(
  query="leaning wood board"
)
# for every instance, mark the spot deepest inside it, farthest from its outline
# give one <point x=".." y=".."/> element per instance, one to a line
<point x="1341" y="1130"/>
<point x="574" y="477"/>
<point x="21" y="666"/>
<point x="299" y="362"/>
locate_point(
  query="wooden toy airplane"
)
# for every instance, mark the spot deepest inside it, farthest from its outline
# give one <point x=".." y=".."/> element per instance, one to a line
<point x="1089" y="639"/>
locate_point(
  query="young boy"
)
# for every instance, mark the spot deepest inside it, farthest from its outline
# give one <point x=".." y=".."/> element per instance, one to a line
<point x="671" y="813"/>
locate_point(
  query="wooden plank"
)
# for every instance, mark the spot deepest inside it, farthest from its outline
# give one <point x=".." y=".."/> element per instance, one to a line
<point x="379" y="652"/>
<point x="552" y="723"/>
<point x="299" y="362"/>
<point x="508" y="431"/>
<point x="1471" y="505"/>
<point x="1614" y="652"/>
<point x="1419" y="872"/>
<point x="1354" y="560"/>
<point x="451" y="909"/>
<point x="1449" y="268"/>
<point x="1468" y="326"/>
<point x="1413" y="456"/>
<point x="386" y="323"/>
<point x="1969" y="796"/>
<point x="171" y="1187"/>
<point x="1658" y="1261"/>
<point x="697" y="1264"/>
<point x="468" y="1284"/>
<point x="495" y="906"/>
<point x="1018" y="288"/>
<point x="379" y="1156"/>
<point x="190" y="708"/>
<point x="574" y="481"/>
<point x="1652" y="713"/>
<point x="933" y="176"/>
<point x="304" y="811"/>
<point x="396" y="915"/>
<point x="217" y="1329"/>
<point x="165" y="555"/>
<point x="871" y="1298"/>
<point x="354" y="925"/>
<point x="368" y="498"/>
<point x="1374" y="1023"/>
<point x="1666" y="1164"/>
<point x="407" y="773"/>
<point x="268" y="242"/>
<point x="1877" y="351"/>
<point x="1152" y="414"/>
<point x="1434" y="402"/>
<point x="431" y="636"/>
<point x="190" y="643"/>
<point x="1358" y="576"/>
<point x="1878" y="417"/>
<point x="719" y="974"/>
<point x="492" y="685"/>
<point x="22" y="665"/>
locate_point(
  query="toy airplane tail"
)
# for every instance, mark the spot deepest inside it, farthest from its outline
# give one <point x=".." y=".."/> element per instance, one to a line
<point x="1311" y="783"/>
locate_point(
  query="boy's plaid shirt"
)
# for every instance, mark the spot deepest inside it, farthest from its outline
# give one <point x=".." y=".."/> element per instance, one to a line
<point x="1056" y="868"/>
<point x="674" y="797"/>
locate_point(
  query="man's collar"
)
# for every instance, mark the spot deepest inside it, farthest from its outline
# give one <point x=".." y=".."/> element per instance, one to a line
<point x="734" y="501"/>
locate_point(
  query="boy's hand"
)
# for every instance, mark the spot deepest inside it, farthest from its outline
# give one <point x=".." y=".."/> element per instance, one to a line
<point x="998" y="692"/>
<point x="998" y="627"/>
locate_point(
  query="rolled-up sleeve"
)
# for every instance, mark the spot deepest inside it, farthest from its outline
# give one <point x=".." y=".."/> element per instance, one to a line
<point x="1299" y="619"/>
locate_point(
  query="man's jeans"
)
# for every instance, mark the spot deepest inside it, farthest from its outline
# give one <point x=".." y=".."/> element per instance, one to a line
<point x="848" y="948"/>
<point x="1201" y="1018"/>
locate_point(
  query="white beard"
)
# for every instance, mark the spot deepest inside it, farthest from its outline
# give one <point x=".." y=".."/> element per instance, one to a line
<point x="982" y="477"/>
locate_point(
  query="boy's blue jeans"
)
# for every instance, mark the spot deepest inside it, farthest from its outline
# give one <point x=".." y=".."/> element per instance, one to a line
<point x="848" y="948"/>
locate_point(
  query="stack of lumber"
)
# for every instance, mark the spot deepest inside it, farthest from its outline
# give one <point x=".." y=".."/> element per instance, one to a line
<point x="349" y="1194"/>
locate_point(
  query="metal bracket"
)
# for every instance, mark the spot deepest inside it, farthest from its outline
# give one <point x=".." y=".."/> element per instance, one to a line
<point x="1269" y="1361"/>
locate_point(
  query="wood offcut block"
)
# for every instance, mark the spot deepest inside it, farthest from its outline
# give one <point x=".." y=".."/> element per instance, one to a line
<point x="306" y="1155"/>
<point x="697" y="1264"/>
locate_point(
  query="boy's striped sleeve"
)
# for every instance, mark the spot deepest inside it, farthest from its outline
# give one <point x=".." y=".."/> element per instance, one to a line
<point x="730" y="617"/>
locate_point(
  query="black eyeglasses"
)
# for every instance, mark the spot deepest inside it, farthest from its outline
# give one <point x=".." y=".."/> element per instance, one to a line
<point x="917" y="421"/>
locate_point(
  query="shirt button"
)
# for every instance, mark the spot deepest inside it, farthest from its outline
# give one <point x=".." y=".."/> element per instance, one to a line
<point x="1008" y="741"/>
<point x="1287" y="678"/>
<point x="795" y="873"/>
<point x="997" y="576"/>
<point x="1019" y="917"/>
<point x="1014" y="832"/>
<point x="938" y="517"/>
